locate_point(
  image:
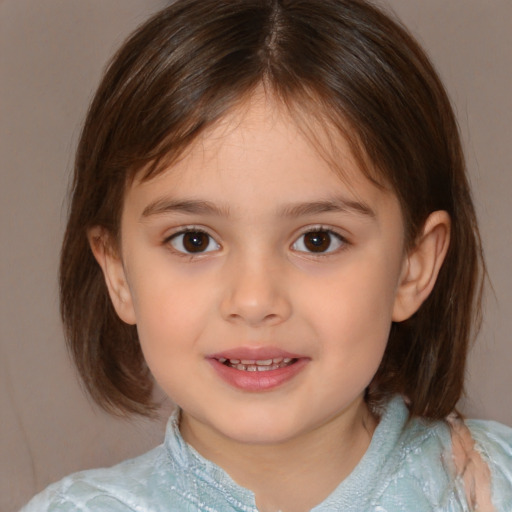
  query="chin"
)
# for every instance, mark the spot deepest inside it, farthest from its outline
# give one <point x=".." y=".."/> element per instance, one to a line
<point x="259" y="429"/>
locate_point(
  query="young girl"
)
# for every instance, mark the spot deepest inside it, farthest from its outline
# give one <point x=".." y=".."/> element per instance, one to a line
<point x="271" y="219"/>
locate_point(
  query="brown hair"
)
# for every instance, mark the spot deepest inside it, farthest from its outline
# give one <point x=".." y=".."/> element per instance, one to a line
<point x="343" y="61"/>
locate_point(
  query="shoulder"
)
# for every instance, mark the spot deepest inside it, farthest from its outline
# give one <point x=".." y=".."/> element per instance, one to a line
<point x="462" y="462"/>
<point x="131" y="485"/>
<point x="450" y="465"/>
<point x="493" y="442"/>
<point x="493" y="439"/>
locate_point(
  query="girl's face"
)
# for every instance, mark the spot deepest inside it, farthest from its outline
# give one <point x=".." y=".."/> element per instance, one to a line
<point x="262" y="284"/>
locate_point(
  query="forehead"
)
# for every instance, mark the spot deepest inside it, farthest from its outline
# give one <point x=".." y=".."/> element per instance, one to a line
<point x="260" y="146"/>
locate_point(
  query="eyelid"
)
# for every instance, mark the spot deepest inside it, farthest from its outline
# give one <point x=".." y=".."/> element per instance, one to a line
<point x="182" y="230"/>
<point x="323" y="229"/>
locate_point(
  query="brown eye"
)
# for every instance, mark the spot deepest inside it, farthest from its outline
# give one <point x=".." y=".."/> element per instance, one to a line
<point x="193" y="242"/>
<point x="318" y="241"/>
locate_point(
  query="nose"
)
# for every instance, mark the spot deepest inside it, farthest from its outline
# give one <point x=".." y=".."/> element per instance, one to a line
<point x="255" y="293"/>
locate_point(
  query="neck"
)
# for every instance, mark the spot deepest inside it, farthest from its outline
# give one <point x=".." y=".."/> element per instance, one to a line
<point x="297" y="474"/>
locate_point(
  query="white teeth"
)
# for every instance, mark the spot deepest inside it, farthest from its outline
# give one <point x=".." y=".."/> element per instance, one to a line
<point x="264" y="362"/>
<point x="256" y="365"/>
<point x="268" y="368"/>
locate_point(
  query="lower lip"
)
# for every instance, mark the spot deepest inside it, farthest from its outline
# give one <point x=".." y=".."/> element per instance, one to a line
<point x="257" y="380"/>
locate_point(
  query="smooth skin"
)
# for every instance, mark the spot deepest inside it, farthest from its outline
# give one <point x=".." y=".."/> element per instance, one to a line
<point x="253" y="240"/>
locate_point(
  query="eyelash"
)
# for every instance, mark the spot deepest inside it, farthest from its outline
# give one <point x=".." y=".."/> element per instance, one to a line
<point x="190" y="230"/>
<point x="341" y="241"/>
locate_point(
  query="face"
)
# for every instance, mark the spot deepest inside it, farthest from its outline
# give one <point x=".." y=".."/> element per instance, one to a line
<point x="262" y="284"/>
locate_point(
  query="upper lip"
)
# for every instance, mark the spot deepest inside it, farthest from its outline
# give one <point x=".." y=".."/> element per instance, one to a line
<point x="254" y="354"/>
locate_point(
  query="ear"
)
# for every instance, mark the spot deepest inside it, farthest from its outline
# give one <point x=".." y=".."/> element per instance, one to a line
<point x="107" y="256"/>
<point x="422" y="265"/>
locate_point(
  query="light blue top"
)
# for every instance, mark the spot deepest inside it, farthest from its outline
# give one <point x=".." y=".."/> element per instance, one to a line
<point x="407" y="467"/>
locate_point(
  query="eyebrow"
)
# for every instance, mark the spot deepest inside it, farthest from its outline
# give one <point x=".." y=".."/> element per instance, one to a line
<point x="194" y="206"/>
<point x="191" y="206"/>
<point x="338" y="204"/>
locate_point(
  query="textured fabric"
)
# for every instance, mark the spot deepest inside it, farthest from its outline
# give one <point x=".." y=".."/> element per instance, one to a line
<point x="409" y="466"/>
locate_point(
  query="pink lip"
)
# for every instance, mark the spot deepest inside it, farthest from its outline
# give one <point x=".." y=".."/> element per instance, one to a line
<point x="257" y="381"/>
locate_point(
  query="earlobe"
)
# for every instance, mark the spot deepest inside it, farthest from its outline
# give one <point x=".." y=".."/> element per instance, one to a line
<point x="111" y="264"/>
<point x="422" y="265"/>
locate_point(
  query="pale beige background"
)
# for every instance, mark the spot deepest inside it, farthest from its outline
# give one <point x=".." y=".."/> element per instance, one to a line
<point x="51" y="56"/>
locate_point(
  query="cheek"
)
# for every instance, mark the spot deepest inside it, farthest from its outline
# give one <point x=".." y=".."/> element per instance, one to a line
<point x="168" y="326"/>
<point x="163" y="293"/>
<point x="360" y="295"/>
<point x="173" y="310"/>
<point x="356" y="333"/>
<point x="353" y="313"/>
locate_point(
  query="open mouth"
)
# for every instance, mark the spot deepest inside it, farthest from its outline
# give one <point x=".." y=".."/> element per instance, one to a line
<point x="257" y="365"/>
<point x="257" y="370"/>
